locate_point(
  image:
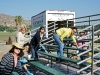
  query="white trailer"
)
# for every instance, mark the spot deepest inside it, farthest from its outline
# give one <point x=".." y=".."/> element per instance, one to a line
<point x="46" y="17"/>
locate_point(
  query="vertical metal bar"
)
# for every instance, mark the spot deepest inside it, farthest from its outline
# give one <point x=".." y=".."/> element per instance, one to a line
<point x="67" y="67"/>
<point x="54" y="27"/>
<point x="67" y="23"/>
<point x="92" y="63"/>
<point x="89" y="20"/>
<point x="51" y="62"/>
<point x="89" y="29"/>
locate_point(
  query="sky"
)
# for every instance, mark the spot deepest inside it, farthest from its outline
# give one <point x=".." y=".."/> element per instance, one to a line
<point x="29" y="8"/>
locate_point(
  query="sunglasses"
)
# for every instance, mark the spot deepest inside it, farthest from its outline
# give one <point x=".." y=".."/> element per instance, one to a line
<point x="18" y="48"/>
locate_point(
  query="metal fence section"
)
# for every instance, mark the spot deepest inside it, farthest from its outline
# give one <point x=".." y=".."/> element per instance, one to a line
<point x="90" y="24"/>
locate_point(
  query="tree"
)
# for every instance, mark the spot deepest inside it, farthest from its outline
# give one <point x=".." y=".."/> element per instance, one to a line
<point x="18" y="20"/>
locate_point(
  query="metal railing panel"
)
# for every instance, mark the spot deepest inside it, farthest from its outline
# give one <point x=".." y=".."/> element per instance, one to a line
<point x="87" y="51"/>
<point x="88" y="58"/>
<point x="87" y="67"/>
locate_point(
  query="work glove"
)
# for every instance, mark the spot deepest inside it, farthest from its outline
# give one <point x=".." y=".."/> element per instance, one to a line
<point x="42" y="47"/>
<point x="29" y="73"/>
<point x="23" y="60"/>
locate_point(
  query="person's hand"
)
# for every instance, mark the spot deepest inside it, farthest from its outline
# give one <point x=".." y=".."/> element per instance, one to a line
<point x="62" y="42"/>
<point x="40" y="44"/>
<point x="43" y="47"/>
<point x="23" y="60"/>
<point x="76" y="44"/>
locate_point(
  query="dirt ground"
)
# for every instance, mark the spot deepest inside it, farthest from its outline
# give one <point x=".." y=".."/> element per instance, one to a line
<point x="3" y="49"/>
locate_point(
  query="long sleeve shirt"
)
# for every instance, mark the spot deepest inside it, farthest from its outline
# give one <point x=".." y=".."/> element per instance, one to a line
<point x="7" y="65"/>
<point x="65" y="32"/>
<point x="37" y="39"/>
<point x="21" y="39"/>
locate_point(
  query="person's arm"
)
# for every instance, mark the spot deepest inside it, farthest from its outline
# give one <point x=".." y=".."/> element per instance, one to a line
<point x="73" y="38"/>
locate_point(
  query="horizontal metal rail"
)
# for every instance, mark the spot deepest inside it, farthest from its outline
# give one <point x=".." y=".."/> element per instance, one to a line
<point x="52" y="22"/>
<point x="87" y="51"/>
<point x="93" y="71"/>
<point x="47" y="38"/>
<point x="88" y="27"/>
<point x="89" y="42"/>
<point x="52" y="29"/>
<point x="49" y="41"/>
<point x="50" y="34"/>
<point x="85" y="16"/>
<point x="87" y="67"/>
<point x="88" y="21"/>
<point x="84" y="29"/>
<point x="52" y="26"/>
<point x="87" y="58"/>
<point x="37" y="28"/>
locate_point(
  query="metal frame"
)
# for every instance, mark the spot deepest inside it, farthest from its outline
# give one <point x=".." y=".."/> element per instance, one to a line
<point x="91" y="42"/>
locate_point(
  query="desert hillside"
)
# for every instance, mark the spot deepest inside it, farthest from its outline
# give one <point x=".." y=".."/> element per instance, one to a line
<point x="9" y="20"/>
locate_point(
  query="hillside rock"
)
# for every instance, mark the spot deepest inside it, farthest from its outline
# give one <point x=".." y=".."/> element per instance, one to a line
<point x="8" y="20"/>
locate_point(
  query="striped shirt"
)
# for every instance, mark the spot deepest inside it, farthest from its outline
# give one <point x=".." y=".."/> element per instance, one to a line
<point x="7" y="65"/>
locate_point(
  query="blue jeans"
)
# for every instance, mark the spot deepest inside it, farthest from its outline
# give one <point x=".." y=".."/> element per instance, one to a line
<point x="19" y="64"/>
<point x="35" y="52"/>
<point x="56" y="37"/>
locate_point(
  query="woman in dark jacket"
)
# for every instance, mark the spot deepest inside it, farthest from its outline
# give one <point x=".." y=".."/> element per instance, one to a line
<point x="9" y="61"/>
<point x="36" y="42"/>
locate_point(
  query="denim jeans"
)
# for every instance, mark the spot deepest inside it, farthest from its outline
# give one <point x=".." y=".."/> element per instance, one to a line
<point x="35" y="52"/>
<point x="56" y="37"/>
<point x="19" y="64"/>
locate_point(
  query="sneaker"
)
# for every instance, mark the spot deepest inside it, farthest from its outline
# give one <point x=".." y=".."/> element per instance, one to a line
<point x="28" y="73"/>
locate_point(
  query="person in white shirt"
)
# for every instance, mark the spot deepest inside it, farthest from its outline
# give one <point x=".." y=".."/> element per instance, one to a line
<point x="20" y="37"/>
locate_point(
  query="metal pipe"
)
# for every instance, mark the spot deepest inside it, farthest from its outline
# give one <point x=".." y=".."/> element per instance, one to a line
<point x="85" y="16"/>
<point x="83" y="68"/>
<point x="93" y="71"/>
<point x="35" y="29"/>
<point x="51" y="34"/>
<point x="87" y="51"/>
<point x="89" y="27"/>
<point x="53" y="29"/>
<point x="92" y="50"/>
<point x="90" y="41"/>
<point x="67" y="23"/>
<point x="52" y="26"/>
<point x="87" y="59"/>
<point x="89" y="34"/>
<point x="49" y="41"/>
<point x="87" y="21"/>
<point x="46" y="39"/>
<point x="87" y="67"/>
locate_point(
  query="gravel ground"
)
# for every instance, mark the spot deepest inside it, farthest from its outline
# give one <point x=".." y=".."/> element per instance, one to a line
<point x="3" y="49"/>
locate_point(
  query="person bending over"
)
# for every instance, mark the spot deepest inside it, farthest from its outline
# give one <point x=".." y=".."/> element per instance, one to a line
<point x="61" y="34"/>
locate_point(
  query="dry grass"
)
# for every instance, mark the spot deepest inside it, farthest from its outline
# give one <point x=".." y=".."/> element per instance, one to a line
<point x="5" y="35"/>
